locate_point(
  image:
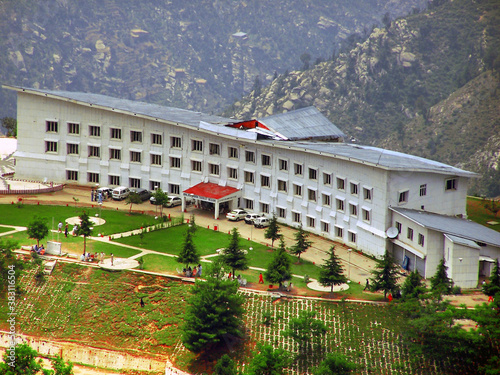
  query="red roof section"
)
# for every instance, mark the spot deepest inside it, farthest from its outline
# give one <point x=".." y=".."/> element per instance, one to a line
<point x="211" y="190"/>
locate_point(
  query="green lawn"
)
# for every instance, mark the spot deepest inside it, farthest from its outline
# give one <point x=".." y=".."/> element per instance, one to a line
<point x="5" y="229"/>
<point x="478" y="213"/>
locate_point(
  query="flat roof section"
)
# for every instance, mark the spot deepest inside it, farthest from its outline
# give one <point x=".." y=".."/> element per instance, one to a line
<point x="211" y="191"/>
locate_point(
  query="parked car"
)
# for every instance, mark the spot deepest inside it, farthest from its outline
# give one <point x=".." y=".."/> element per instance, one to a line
<point x="143" y="193"/>
<point x="249" y="219"/>
<point x="173" y="200"/>
<point x="261" y="222"/>
<point x="236" y="215"/>
<point x="121" y="192"/>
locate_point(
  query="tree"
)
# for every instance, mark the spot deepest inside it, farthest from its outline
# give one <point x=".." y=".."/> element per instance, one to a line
<point x="10" y="124"/>
<point x="306" y="330"/>
<point x="330" y="273"/>
<point x="189" y="254"/>
<point x="301" y="244"/>
<point x="60" y="367"/>
<point x="334" y="363"/>
<point x="23" y="361"/>
<point x="269" y="361"/>
<point x="38" y="229"/>
<point x="85" y="229"/>
<point x="9" y="265"/>
<point x="272" y="231"/>
<point x="440" y="282"/>
<point x="234" y="257"/>
<point x="133" y="198"/>
<point x="385" y="275"/>
<point x="213" y="314"/>
<point x="386" y="20"/>
<point x="305" y="58"/>
<point x="278" y="271"/>
<point x="161" y="199"/>
<point x="493" y="286"/>
<point x="413" y="286"/>
<point x="225" y="366"/>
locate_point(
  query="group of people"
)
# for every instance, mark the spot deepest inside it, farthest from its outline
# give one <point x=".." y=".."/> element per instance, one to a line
<point x="96" y="257"/>
<point x="194" y="272"/>
<point x="66" y="229"/>
<point x="97" y="196"/>
<point x="40" y="250"/>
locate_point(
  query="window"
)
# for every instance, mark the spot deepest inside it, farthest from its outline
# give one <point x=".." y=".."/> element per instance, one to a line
<point x="175" y="162"/>
<point x="297" y="190"/>
<point x="214" y="169"/>
<point x="155" y="159"/>
<point x="196" y="166"/>
<point x="340" y="204"/>
<point x="232" y="173"/>
<point x="265" y="181"/>
<point x="325" y="227"/>
<point x="421" y="239"/>
<point x="94" y="131"/>
<point x="311" y="222"/>
<point x="114" y="180"/>
<point x="399" y="227"/>
<point x="50" y="146"/>
<point x="297" y="169"/>
<point x="266" y="160"/>
<point x="115" y="154"/>
<point x="135" y="156"/>
<point x="409" y="234"/>
<point x="73" y="128"/>
<point x="72" y="175"/>
<point x="93" y="177"/>
<point x="249" y="177"/>
<point x="248" y="204"/>
<point x="366" y="215"/>
<point x="339" y="232"/>
<point x="175" y="142"/>
<point x="283" y="165"/>
<point x="296" y="217"/>
<point x="311" y="195"/>
<point x="51" y="126"/>
<point x="154" y="185"/>
<point x="282" y="186"/>
<point x="327" y="178"/>
<point x="174" y="189"/>
<point x="197" y="146"/>
<point x="72" y="149"/>
<point x="423" y="190"/>
<point x="451" y="184"/>
<point x="354" y="188"/>
<point x="367" y="193"/>
<point x="264" y="207"/>
<point x="340" y="183"/>
<point x="134" y="182"/>
<point x="135" y="136"/>
<point x="313" y="174"/>
<point x="250" y="157"/>
<point x="156" y="139"/>
<point x="94" y="152"/>
<point x="282" y="212"/>
<point x="232" y="152"/>
<point x="353" y="209"/>
<point x="403" y="196"/>
<point x="115" y="133"/>
<point x="213" y="149"/>
<point x="326" y="200"/>
<point x="352" y="237"/>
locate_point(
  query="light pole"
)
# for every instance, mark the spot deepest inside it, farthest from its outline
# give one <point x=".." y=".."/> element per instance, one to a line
<point x="349" y="251"/>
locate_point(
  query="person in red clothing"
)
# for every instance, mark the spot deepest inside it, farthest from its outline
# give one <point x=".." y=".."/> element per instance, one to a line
<point x="261" y="279"/>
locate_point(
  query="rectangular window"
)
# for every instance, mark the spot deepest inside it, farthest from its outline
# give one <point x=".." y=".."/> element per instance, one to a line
<point x="196" y="166"/>
<point x="115" y="154"/>
<point x="214" y="169"/>
<point x="135" y="136"/>
<point x="50" y="146"/>
<point x="213" y="149"/>
<point x="353" y="209"/>
<point x="135" y="156"/>
<point x="327" y="178"/>
<point x="296" y="217"/>
<point x="266" y="160"/>
<point x="399" y="227"/>
<point x="51" y="126"/>
<point x="94" y="131"/>
<point x="325" y="227"/>
<point x="340" y="183"/>
<point x="326" y="200"/>
<point x="313" y="174"/>
<point x="250" y="157"/>
<point x="232" y="173"/>
<point x="366" y="215"/>
<point x="174" y="189"/>
<point x="297" y="190"/>
<point x="175" y="142"/>
<point x="264" y="207"/>
<point x="72" y="175"/>
<point x="155" y="159"/>
<point x="354" y="188"/>
<point x="175" y="162"/>
<point x="340" y="204"/>
<point x="423" y="190"/>
<point x="283" y="164"/>
<point x="154" y="185"/>
<point x="297" y="169"/>
<point x="156" y="139"/>
<point x="352" y="237"/>
<point x="282" y="213"/>
<point x="72" y="148"/>
<point x="421" y="239"/>
<point x="451" y="184"/>
<point x="232" y="152"/>
<point x="93" y="177"/>
<point x="311" y="195"/>
<point x="367" y="194"/>
<point x="311" y="222"/>
<point x="73" y="128"/>
<point x="409" y="234"/>
<point x="339" y="232"/>
<point x="115" y="133"/>
<point x="403" y="196"/>
<point x="248" y="204"/>
<point x="282" y="186"/>
<point x="197" y="146"/>
<point x="265" y="181"/>
<point x="114" y="180"/>
<point x="134" y="182"/>
<point x="249" y="177"/>
<point x="94" y="152"/>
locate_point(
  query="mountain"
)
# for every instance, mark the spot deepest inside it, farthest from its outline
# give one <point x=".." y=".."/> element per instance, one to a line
<point x="199" y="55"/>
<point x="426" y="84"/>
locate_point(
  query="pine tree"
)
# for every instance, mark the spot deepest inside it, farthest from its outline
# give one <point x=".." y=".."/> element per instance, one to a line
<point x="234" y="257"/>
<point x="85" y="229"/>
<point x="301" y="244"/>
<point x="189" y="254"/>
<point x="330" y="273"/>
<point x="413" y="286"/>
<point x="493" y="285"/>
<point x="440" y="282"/>
<point x="278" y="271"/>
<point x="269" y="361"/>
<point x="385" y="276"/>
<point x="272" y="231"/>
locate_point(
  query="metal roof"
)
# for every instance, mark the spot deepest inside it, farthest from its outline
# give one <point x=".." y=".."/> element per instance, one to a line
<point x="452" y="225"/>
<point x="304" y="123"/>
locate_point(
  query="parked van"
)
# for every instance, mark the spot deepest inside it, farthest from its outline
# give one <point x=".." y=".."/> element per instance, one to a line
<point x="121" y="192"/>
<point x="261" y="222"/>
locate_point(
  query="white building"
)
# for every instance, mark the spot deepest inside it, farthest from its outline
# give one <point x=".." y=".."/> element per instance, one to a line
<point x="294" y="165"/>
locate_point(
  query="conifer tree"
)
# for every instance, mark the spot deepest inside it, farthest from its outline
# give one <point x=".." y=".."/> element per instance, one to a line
<point x="278" y="271"/>
<point x="331" y="272"/>
<point x="272" y="231"/>
<point x="234" y="257"/>
<point x="493" y="285"/>
<point x="302" y="243"/>
<point x="385" y="275"/>
<point x="85" y="229"/>
<point x="413" y="286"/>
<point x="440" y="282"/>
<point x="189" y="254"/>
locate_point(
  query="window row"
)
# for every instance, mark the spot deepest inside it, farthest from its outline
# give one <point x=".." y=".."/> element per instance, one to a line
<point x="410" y="234"/>
<point x="450" y="184"/>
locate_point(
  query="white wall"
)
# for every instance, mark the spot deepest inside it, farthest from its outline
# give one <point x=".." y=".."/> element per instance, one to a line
<point x="463" y="264"/>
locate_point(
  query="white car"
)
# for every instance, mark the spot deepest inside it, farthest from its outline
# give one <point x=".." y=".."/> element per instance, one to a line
<point x="249" y="219"/>
<point x="236" y="215"/>
<point x="173" y="201"/>
<point x="261" y="222"/>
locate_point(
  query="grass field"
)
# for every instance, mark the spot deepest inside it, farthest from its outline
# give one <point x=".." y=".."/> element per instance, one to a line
<point x="477" y="212"/>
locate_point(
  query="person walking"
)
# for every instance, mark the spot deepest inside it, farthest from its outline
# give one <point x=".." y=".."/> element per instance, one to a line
<point x="66" y="231"/>
<point x="59" y="227"/>
<point x="92" y="195"/>
<point x="261" y="279"/>
<point x="367" y="286"/>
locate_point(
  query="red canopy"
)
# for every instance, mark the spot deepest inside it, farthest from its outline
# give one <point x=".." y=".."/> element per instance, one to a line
<point x="210" y="190"/>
